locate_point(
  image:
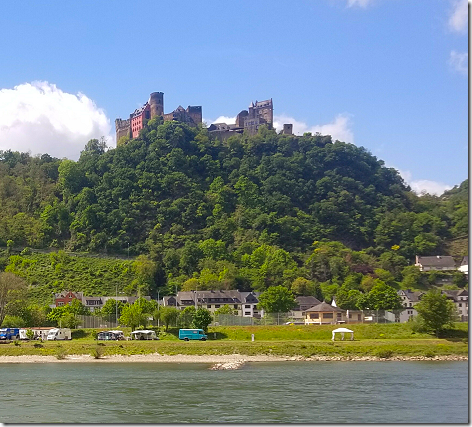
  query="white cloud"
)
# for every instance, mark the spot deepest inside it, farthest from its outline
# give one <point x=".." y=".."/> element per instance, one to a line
<point x="420" y="186"/>
<point x="221" y="119"/>
<point x="40" y="118"/>
<point x="360" y="3"/>
<point x="459" y="62"/>
<point x="459" y="19"/>
<point x="339" y="128"/>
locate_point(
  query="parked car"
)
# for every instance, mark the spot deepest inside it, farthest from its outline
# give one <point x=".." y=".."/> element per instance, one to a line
<point x="192" y="334"/>
<point x="144" y="334"/>
<point x="59" y="334"/>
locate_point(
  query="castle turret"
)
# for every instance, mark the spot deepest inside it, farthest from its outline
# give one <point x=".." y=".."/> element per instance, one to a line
<point x="195" y="113"/>
<point x="156" y="101"/>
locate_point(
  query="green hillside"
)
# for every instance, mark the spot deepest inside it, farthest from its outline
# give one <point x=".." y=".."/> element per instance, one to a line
<point x="243" y="213"/>
<point x="54" y="272"/>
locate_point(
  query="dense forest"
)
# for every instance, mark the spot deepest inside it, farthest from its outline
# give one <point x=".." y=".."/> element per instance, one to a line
<point x="318" y="216"/>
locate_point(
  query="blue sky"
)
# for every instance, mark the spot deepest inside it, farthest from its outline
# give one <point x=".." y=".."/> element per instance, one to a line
<point x="389" y="75"/>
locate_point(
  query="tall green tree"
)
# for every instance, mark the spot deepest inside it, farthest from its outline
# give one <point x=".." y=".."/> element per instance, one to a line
<point x="132" y="315"/>
<point x="169" y="315"/>
<point x="276" y="299"/>
<point x="436" y="311"/>
<point x="202" y="319"/>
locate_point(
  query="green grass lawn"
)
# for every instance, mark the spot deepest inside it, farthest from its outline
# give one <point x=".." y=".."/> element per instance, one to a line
<point x="383" y="340"/>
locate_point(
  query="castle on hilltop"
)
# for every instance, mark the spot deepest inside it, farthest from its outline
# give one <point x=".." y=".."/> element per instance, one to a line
<point x="192" y="116"/>
<point x="258" y="113"/>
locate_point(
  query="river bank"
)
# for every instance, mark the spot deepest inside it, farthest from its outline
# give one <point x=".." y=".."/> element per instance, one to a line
<point x="213" y="359"/>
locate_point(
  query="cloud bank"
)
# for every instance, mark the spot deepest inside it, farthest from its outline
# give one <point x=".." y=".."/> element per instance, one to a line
<point x="459" y="18"/>
<point x="339" y="128"/>
<point x="420" y="186"/>
<point x="459" y="62"/>
<point x="40" y="118"/>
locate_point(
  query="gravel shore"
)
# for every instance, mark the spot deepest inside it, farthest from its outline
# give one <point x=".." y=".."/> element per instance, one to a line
<point x="236" y="359"/>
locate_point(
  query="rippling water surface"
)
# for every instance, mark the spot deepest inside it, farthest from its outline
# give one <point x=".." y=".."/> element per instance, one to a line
<point x="301" y="392"/>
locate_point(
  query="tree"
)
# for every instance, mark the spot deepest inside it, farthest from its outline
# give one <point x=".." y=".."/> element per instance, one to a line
<point x="276" y="299"/>
<point x="302" y="286"/>
<point x="132" y="315"/>
<point x="13" y="322"/>
<point x="69" y="320"/>
<point x="186" y="316"/>
<point x="347" y="299"/>
<point x="436" y="311"/>
<point x="202" y="318"/>
<point x="381" y="297"/>
<point x="226" y="309"/>
<point x="111" y="307"/>
<point x="11" y="286"/>
<point x="168" y="315"/>
<point x="10" y="244"/>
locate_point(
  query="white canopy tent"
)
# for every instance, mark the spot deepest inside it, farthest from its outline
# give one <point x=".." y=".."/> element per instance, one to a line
<point x="342" y="331"/>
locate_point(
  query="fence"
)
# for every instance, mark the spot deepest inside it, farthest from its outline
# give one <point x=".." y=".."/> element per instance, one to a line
<point x="96" y="322"/>
<point x="268" y="319"/>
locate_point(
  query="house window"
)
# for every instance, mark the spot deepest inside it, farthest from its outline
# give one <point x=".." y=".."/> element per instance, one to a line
<point x="314" y="316"/>
<point x="236" y="306"/>
<point x="209" y="306"/>
<point x="460" y="305"/>
<point x="217" y="305"/>
<point x="60" y="303"/>
<point x="339" y="315"/>
<point x="327" y="315"/>
<point x="247" y="313"/>
<point x="247" y="306"/>
<point x="411" y="304"/>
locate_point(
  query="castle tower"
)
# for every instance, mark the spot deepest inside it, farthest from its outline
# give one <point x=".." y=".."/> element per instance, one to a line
<point x="195" y="113"/>
<point x="156" y="101"/>
<point x="288" y="129"/>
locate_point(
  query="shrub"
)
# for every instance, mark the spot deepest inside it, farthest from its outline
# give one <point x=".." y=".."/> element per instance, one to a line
<point x="384" y="353"/>
<point x="61" y="353"/>
<point x="97" y="352"/>
<point x="30" y="334"/>
<point x="17" y="343"/>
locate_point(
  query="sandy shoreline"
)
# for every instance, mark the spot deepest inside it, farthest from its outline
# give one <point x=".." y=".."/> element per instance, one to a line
<point x="210" y="359"/>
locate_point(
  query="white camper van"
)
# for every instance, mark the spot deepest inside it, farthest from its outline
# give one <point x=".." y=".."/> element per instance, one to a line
<point x="23" y="334"/>
<point x="59" y="334"/>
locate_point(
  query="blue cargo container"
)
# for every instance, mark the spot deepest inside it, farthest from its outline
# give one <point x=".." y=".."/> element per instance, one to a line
<point x="192" y="334"/>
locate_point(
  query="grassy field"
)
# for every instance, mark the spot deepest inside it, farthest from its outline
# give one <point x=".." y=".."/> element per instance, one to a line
<point x="291" y="340"/>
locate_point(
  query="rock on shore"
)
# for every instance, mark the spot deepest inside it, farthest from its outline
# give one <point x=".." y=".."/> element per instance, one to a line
<point x="228" y="365"/>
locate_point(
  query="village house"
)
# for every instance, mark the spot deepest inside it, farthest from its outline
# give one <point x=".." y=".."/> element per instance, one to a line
<point x="435" y="263"/>
<point x="297" y="314"/>
<point x="460" y="297"/>
<point x="244" y="303"/>
<point x="324" y="314"/>
<point x="409" y="300"/>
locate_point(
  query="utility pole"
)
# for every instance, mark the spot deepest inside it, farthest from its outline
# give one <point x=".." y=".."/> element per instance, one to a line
<point x="158" y="308"/>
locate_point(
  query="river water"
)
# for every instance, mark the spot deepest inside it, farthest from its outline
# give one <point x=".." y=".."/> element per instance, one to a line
<point x="285" y="392"/>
